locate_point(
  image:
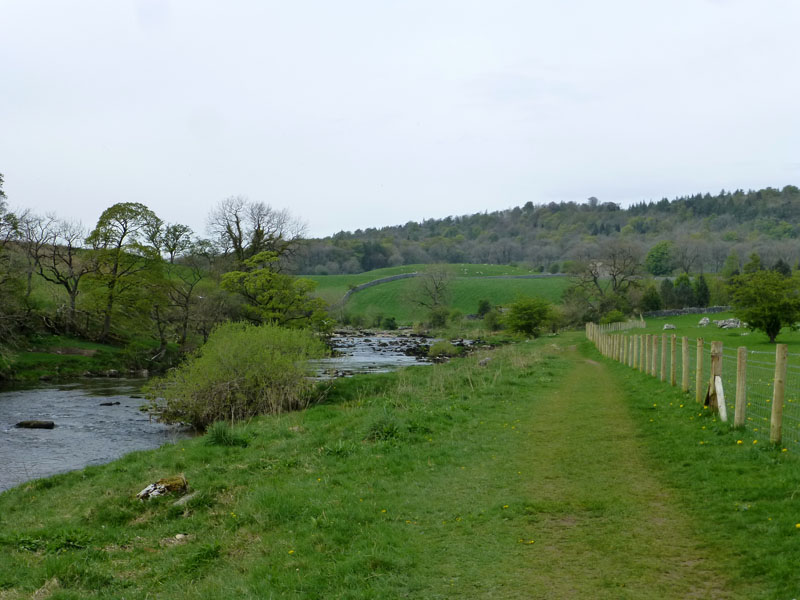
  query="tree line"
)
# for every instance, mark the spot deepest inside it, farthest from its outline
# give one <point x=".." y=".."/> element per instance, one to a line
<point x="136" y="280"/>
<point x="704" y="230"/>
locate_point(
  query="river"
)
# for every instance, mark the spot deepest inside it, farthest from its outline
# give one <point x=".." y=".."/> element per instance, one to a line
<point x="88" y="433"/>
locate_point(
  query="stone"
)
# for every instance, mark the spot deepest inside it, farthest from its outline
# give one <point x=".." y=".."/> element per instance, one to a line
<point x="669" y="326"/>
<point x="163" y="486"/>
<point x="704" y="321"/>
<point x="35" y="425"/>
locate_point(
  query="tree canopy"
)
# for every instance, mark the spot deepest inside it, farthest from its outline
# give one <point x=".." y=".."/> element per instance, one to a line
<point x="767" y="301"/>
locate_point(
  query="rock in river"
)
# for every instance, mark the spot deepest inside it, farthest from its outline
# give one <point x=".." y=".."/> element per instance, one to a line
<point x="36" y="424"/>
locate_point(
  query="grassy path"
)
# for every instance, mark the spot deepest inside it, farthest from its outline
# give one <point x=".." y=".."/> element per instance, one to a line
<point x="606" y="527"/>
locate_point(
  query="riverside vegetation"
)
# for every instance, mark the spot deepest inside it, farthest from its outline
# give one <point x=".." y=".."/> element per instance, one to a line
<point x="541" y="472"/>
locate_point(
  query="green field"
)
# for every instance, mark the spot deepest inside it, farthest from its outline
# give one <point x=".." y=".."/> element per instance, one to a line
<point x="549" y="472"/>
<point x="471" y="284"/>
<point x="686" y="325"/>
<point x="331" y="288"/>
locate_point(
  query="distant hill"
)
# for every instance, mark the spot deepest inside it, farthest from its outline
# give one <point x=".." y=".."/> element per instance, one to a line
<point x="706" y="228"/>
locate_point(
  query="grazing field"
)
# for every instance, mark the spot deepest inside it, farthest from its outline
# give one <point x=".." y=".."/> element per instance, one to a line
<point x="731" y="338"/>
<point x="331" y="288"/>
<point x="397" y="298"/>
<point x="548" y="472"/>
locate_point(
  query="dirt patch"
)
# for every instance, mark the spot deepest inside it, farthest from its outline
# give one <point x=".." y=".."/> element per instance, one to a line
<point x="589" y="361"/>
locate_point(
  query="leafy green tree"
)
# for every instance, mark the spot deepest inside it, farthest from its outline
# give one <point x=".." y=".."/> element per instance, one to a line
<point x="651" y="299"/>
<point x="123" y="253"/>
<point x="767" y="301"/>
<point x="528" y="316"/>
<point x="754" y="264"/>
<point x="731" y="266"/>
<point x="702" y="294"/>
<point x="684" y="292"/>
<point x="667" y="292"/>
<point x="782" y="267"/>
<point x="272" y="297"/>
<point x="484" y="306"/>
<point x="659" y="260"/>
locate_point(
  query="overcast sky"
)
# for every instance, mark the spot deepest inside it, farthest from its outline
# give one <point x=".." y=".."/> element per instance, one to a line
<point x="356" y="114"/>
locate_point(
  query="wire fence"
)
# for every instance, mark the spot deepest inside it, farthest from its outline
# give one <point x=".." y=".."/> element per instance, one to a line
<point x="751" y="384"/>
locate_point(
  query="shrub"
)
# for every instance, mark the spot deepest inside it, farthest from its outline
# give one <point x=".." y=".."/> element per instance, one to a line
<point x="242" y="371"/>
<point x="614" y="316"/>
<point x="484" y="306"/>
<point x="443" y="348"/>
<point x="389" y="323"/>
<point x="528" y="316"/>
<point x="492" y="320"/>
<point x="438" y="317"/>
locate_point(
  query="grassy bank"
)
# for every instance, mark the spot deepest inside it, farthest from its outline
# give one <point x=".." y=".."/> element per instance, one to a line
<point x="543" y="473"/>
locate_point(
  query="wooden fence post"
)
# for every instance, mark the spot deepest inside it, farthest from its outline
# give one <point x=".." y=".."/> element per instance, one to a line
<point x="654" y="357"/>
<point x="741" y="387"/>
<point x="663" y="357"/>
<point x="636" y="352"/>
<point x="713" y="399"/>
<point x="698" y="387"/>
<point x="672" y="366"/>
<point x="776" y="419"/>
<point x="685" y="364"/>
<point x="646" y="354"/>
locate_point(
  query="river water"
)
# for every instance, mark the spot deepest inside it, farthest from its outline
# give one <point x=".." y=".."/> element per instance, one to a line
<point x="87" y="433"/>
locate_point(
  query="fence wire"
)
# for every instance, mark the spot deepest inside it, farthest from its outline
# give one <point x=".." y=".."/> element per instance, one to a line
<point x="759" y="379"/>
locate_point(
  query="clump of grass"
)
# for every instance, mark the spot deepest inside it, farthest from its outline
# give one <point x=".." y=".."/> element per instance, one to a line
<point x="384" y="429"/>
<point x="223" y="434"/>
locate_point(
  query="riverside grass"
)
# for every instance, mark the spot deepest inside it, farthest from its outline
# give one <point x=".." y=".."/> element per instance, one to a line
<point x="540" y="475"/>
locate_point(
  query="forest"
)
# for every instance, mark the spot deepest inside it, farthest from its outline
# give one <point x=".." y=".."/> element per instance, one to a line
<point x="703" y="229"/>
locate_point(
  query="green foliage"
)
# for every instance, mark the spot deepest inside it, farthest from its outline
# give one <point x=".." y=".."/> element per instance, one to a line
<point x="389" y="323"/>
<point x="614" y="316"/>
<point x="242" y="371"/>
<point x="443" y="348"/>
<point x="731" y="266"/>
<point x="659" y="259"/>
<point x="528" y="316"/>
<point x="753" y="265"/>
<point x="782" y="267"/>
<point x="438" y="317"/>
<point x="484" y="306"/>
<point x="702" y="294"/>
<point x="493" y="320"/>
<point x="667" y="293"/>
<point x="273" y="297"/>
<point x="684" y="292"/>
<point x="651" y="299"/>
<point x="767" y="301"/>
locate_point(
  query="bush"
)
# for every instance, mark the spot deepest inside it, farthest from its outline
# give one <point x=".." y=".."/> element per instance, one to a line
<point x="492" y="320"/>
<point x="484" y="306"/>
<point x="614" y="316"/>
<point x="389" y="323"/>
<point x="242" y="371"/>
<point x="443" y="348"/>
<point x="438" y="317"/>
<point x="528" y="316"/>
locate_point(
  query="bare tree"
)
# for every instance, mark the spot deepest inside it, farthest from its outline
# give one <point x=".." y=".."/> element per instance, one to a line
<point x="686" y="254"/>
<point x="244" y="228"/>
<point x="64" y="262"/>
<point x="432" y="287"/>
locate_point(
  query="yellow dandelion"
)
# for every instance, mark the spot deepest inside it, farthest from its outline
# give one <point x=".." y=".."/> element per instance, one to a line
<point x="739" y="442"/>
